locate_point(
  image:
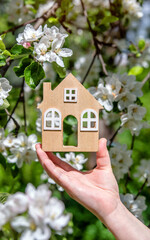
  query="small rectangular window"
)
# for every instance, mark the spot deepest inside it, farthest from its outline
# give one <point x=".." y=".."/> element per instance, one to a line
<point x="70" y="95"/>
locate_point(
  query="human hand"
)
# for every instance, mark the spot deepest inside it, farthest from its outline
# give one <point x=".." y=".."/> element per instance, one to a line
<point x="97" y="189"/>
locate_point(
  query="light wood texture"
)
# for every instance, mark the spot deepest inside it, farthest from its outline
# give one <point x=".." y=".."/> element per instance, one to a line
<point x="52" y="140"/>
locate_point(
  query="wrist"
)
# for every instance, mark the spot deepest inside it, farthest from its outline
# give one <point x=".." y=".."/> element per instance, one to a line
<point x="124" y="225"/>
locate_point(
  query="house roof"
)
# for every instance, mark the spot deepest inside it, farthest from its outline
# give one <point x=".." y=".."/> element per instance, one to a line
<point x="73" y="82"/>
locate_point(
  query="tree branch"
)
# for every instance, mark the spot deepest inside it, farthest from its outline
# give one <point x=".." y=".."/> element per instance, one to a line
<point x="14" y="120"/>
<point x="141" y="188"/>
<point x="103" y="64"/>
<point x="98" y="50"/>
<point x="89" y="68"/>
<point x="114" y="135"/>
<point x="18" y="100"/>
<point x="146" y="79"/>
<point x="39" y="21"/>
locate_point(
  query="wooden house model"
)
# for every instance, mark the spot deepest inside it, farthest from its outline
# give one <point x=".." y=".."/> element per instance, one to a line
<point x="69" y="98"/>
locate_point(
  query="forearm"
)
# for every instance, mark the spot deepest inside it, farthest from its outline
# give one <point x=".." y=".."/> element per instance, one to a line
<point x="124" y="225"/>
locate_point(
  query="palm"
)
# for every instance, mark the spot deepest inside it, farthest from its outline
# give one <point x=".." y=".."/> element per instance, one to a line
<point x="97" y="184"/>
<point x="94" y="189"/>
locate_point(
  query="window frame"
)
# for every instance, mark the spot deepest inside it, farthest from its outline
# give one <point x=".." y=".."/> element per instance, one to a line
<point x="89" y="120"/>
<point x="70" y="95"/>
<point x="52" y="119"/>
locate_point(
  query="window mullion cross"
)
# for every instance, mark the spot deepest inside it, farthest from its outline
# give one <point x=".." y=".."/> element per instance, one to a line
<point x="88" y="120"/>
<point x="53" y="119"/>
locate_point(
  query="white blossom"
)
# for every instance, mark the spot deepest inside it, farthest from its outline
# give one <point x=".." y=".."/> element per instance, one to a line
<point x="136" y="89"/>
<point x="47" y="44"/>
<point x="9" y="141"/>
<point x="34" y="213"/>
<point x="136" y="111"/>
<point x="14" y="205"/>
<point x="135" y="206"/>
<point x="135" y="126"/>
<point x="16" y="156"/>
<point x="121" y="160"/>
<point x="23" y="142"/>
<point x="57" y="52"/>
<point x="102" y="94"/>
<point x="29" y="34"/>
<point x="133" y="8"/>
<point x="22" y="149"/>
<point x="5" y="88"/>
<point x="113" y="84"/>
<point x="143" y="171"/>
<point x="125" y="99"/>
<point x="75" y="161"/>
<point x="41" y="49"/>
<point x="53" y="33"/>
<point x="29" y="229"/>
<point x="56" y="219"/>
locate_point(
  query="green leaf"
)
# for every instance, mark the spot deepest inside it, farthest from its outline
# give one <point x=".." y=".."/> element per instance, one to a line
<point x="133" y="49"/>
<point x="141" y="44"/>
<point x="53" y="20"/>
<point x="109" y="19"/>
<point x="2" y="36"/>
<point x="2" y="161"/>
<point x="3" y="197"/>
<point x="19" y="70"/>
<point x="19" y="50"/>
<point x="2" y="46"/>
<point x="2" y="60"/>
<point x="6" y="53"/>
<point x="33" y="74"/>
<point x="5" y="105"/>
<point x="61" y="71"/>
<point x="135" y="70"/>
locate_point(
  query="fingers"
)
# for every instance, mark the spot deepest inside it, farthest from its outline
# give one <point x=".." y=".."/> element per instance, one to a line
<point x="60" y="163"/>
<point x="53" y="170"/>
<point x="102" y="156"/>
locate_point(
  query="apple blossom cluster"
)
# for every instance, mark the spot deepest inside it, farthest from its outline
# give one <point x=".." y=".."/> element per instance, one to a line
<point x="75" y="161"/>
<point x="34" y="214"/>
<point x="18" y="149"/>
<point x="120" y="159"/>
<point x="132" y="120"/>
<point x="5" y="88"/>
<point x="122" y="90"/>
<point x="135" y="206"/>
<point x="133" y="8"/>
<point x="47" y="43"/>
<point x="143" y="171"/>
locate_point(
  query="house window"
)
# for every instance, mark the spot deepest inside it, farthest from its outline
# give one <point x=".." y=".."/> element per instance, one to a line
<point x="52" y="119"/>
<point x="70" y="95"/>
<point x="89" y="120"/>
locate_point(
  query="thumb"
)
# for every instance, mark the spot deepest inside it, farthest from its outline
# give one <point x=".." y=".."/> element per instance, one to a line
<point x="102" y="156"/>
